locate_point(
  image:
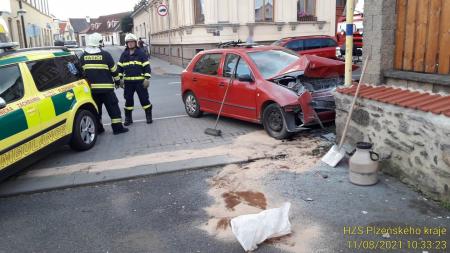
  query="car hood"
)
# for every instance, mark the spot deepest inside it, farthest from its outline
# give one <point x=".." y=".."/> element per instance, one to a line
<point x="315" y="67"/>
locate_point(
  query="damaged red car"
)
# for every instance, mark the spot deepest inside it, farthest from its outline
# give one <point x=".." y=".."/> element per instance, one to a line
<point x="272" y="86"/>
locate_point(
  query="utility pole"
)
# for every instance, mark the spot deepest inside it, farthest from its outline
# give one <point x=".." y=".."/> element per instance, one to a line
<point x="170" y="32"/>
<point x="349" y="42"/>
<point x="25" y="43"/>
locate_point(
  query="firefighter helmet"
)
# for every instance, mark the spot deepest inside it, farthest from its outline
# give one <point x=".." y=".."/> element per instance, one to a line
<point x="130" y="37"/>
<point x="94" y="40"/>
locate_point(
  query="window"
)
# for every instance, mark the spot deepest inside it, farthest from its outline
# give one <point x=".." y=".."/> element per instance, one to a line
<point x="319" y="43"/>
<point x="243" y="69"/>
<point x="199" y="11"/>
<point x="11" y="84"/>
<point x="271" y="62"/>
<point x="296" y="45"/>
<point x="208" y="64"/>
<point x="264" y="10"/>
<point x="52" y="73"/>
<point x="306" y="10"/>
<point x="230" y="63"/>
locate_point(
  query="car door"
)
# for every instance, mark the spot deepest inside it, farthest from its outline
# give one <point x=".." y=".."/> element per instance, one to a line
<point x="206" y="82"/>
<point x="56" y="81"/>
<point x="241" y="98"/>
<point x="19" y="116"/>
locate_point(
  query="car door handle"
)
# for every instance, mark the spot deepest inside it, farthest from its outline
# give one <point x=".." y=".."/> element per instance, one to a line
<point x="194" y="79"/>
<point x="31" y="110"/>
<point x="221" y="84"/>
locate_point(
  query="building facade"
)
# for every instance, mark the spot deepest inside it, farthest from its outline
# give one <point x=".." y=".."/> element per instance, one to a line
<point x="32" y="29"/>
<point x="141" y="22"/>
<point x="79" y="25"/>
<point x="195" y="25"/>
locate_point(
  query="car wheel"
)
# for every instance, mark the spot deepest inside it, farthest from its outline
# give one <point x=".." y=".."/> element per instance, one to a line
<point x="274" y="122"/>
<point x="192" y="106"/>
<point x="84" y="133"/>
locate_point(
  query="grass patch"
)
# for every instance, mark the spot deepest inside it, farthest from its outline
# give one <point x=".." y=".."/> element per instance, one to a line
<point x="445" y="205"/>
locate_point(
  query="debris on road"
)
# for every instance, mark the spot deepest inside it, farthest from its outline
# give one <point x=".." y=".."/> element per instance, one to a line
<point x="253" y="229"/>
<point x="239" y="189"/>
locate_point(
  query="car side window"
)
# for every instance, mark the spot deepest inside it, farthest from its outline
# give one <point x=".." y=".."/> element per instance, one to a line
<point x="243" y="68"/>
<point x="11" y="83"/>
<point x="52" y="73"/>
<point x="208" y="64"/>
<point x="230" y="63"/>
<point x="296" y="45"/>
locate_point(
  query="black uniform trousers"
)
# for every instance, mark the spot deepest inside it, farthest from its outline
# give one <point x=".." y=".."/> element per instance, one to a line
<point x="130" y="89"/>
<point x="109" y="99"/>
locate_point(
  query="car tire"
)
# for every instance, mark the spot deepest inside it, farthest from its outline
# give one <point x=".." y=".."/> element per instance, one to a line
<point x="274" y="122"/>
<point x="191" y="105"/>
<point x="84" y="133"/>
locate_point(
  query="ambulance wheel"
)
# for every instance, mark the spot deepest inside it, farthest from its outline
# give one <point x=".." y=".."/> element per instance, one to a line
<point x="84" y="133"/>
<point x="192" y="106"/>
<point x="274" y="122"/>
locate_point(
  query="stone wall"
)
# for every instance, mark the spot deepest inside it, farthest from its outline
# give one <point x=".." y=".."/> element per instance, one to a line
<point x="418" y="143"/>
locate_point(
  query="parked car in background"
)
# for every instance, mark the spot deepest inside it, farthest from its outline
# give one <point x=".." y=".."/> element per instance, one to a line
<point x="273" y="86"/>
<point x="70" y="44"/>
<point x="320" y="45"/>
<point x="44" y="103"/>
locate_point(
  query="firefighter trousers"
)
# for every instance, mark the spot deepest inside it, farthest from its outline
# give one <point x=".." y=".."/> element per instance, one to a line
<point x="109" y="99"/>
<point x="130" y="89"/>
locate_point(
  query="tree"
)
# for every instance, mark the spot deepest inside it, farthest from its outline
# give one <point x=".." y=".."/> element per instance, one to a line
<point x="126" y="24"/>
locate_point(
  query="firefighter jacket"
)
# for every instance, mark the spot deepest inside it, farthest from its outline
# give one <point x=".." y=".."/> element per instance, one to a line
<point x="100" y="71"/>
<point x="134" y="67"/>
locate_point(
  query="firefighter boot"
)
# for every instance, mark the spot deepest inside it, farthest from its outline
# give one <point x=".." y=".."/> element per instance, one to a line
<point x="148" y="115"/>
<point x="119" y="129"/>
<point x="128" y="117"/>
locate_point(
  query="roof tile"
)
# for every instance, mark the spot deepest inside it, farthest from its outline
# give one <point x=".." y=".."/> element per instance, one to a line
<point x="427" y="102"/>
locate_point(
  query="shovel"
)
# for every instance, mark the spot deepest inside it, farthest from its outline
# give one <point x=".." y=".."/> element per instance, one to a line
<point x="336" y="153"/>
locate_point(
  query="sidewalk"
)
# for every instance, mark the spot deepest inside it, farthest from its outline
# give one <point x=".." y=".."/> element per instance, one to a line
<point x="162" y="67"/>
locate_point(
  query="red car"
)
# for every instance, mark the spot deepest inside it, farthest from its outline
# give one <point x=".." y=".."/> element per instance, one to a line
<point x="273" y="86"/>
<point x="320" y="45"/>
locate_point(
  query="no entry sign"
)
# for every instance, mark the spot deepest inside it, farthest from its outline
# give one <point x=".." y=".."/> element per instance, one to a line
<point x="162" y="10"/>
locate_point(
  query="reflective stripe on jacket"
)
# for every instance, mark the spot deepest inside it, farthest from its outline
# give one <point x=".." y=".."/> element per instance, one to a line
<point x="100" y="70"/>
<point x="134" y="67"/>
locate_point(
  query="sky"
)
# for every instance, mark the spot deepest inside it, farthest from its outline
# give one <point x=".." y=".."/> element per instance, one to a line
<point x="64" y="9"/>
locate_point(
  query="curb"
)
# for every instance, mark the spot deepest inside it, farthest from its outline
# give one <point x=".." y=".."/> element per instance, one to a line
<point x="29" y="185"/>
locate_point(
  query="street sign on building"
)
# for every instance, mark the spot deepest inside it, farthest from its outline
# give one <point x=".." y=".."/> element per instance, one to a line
<point x="163" y="10"/>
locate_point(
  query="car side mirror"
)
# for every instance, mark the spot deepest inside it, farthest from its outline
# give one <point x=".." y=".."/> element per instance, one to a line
<point x="246" y="78"/>
<point x="2" y="103"/>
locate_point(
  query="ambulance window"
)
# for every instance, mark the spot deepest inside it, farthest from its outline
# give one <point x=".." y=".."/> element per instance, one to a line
<point x="11" y="84"/>
<point x="52" y="73"/>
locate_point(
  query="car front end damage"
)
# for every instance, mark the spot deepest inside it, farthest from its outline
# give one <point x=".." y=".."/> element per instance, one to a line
<point x="313" y="81"/>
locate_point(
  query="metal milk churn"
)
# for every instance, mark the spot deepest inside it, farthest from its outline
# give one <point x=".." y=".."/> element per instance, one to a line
<point x="364" y="165"/>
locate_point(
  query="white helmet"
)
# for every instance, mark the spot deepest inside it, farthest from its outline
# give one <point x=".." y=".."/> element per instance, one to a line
<point x="130" y="37"/>
<point x="94" y="40"/>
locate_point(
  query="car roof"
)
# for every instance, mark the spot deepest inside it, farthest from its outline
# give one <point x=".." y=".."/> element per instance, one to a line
<point x="243" y="49"/>
<point x="308" y="37"/>
<point x="25" y="55"/>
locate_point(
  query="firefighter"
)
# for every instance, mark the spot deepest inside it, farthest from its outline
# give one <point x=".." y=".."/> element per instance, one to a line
<point x="134" y="69"/>
<point x="101" y="72"/>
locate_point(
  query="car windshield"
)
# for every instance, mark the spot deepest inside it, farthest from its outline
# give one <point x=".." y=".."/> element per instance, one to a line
<point x="271" y="62"/>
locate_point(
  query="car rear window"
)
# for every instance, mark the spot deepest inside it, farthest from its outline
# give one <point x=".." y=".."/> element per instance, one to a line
<point x="11" y="84"/>
<point x="52" y="73"/>
<point x="208" y="64"/>
<point x="318" y="43"/>
<point x="271" y="62"/>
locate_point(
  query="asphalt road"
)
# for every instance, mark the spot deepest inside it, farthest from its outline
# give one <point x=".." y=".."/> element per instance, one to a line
<point x="165" y="95"/>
